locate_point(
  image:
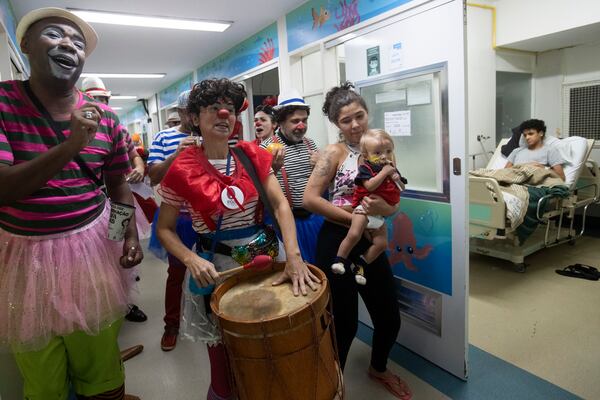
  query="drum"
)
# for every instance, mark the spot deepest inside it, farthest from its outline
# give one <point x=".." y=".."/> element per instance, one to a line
<point x="279" y="346"/>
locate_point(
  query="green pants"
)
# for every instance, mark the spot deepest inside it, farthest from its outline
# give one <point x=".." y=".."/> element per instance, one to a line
<point x="90" y="364"/>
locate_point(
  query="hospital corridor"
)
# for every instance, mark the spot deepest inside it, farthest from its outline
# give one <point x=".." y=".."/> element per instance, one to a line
<point x="299" y="200"/>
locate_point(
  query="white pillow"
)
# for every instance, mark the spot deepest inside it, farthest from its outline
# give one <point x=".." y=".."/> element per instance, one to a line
<point x="574" y="150"/>
<point x="498" y="162"/>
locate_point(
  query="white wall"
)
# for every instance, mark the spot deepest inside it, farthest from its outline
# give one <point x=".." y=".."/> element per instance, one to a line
<point x="582" y="63"/>
<point x="481" y="78"/>
<point x="525" y="19"/>
<point x="558" y="67"/>
<point x="548" y="79"/>
<point x="551" y="69"/>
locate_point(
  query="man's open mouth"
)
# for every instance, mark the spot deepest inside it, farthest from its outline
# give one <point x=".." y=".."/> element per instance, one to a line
<point x="64" y="61"/>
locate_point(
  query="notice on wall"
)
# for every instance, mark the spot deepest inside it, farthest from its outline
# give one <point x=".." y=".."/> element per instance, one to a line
<point x="373" y="61"/>
<point x="396" y="57"/>
<point x="397" y="123"/>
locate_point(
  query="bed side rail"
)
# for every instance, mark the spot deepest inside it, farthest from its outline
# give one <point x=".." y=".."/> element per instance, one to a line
<point x="487" y="210"/>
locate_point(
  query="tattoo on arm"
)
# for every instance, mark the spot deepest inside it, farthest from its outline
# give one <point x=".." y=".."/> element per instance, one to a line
<point x="324" y="164"/>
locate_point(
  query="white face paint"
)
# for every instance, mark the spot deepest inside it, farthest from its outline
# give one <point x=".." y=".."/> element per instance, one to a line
<point x="56" y="49"/>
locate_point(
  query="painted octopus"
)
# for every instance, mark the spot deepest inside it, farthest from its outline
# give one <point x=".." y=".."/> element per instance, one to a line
<point x="403" y="245"/>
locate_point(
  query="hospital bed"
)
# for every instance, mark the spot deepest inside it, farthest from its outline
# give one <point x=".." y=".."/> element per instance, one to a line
<point x="490" y="231"/>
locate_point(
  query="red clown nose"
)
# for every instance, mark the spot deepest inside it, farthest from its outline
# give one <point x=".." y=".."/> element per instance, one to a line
<point x="223" y="113"/>
<point x="300" y="126"/>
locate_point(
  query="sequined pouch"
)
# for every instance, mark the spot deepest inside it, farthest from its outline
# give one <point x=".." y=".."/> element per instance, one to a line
<point x="265" y="243"/>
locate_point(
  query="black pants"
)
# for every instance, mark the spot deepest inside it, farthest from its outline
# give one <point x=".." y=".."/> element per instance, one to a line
<point x="378" y="294"/>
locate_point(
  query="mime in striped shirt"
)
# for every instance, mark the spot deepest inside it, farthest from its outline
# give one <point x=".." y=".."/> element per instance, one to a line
<point x="294" y="157"/>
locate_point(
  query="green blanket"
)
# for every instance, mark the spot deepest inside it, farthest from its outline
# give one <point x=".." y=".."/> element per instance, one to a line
<point x="530" y="222"/>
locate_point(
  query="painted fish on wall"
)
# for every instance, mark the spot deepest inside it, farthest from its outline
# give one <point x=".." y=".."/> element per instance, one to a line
<point x="320" y="18"/>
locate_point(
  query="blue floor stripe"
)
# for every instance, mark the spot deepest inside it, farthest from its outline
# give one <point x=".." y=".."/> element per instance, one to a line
<point x="490" y="378"/>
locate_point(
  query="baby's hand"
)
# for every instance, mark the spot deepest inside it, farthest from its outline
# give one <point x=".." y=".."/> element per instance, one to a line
<point x="388" y="170"/>
<point x="396" y="177"/>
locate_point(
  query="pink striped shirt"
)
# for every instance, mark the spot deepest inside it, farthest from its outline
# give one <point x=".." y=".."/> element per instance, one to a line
<point x="70" y="199"/>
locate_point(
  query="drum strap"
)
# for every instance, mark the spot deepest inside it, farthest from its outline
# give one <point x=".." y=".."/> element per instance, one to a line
<point x="210" y="255"/>
<point x="257" y="183"/>
<point x="215" y="239"/>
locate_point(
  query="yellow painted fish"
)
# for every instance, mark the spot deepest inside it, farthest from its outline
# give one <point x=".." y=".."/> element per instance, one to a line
<point x="320" y="18"/>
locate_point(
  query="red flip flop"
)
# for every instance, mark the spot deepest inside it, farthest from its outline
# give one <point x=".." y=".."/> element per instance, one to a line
<point x="394" y="385"/>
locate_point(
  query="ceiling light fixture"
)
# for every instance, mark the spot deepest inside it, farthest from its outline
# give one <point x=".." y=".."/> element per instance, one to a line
<point x="126" y="76"/>
<point x="117" y="108"/>
<point x="102" y="17"/>
<point x="119" y="97"/>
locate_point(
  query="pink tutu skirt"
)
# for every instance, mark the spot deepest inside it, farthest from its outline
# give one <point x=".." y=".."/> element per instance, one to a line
<point x="57" y="284"/>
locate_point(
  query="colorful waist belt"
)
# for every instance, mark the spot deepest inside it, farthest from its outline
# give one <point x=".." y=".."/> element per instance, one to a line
<point x="264" y="243"/>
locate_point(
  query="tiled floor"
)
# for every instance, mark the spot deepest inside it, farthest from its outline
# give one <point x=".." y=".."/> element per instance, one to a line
<point x="183" y="373"/>
<point x="540" y="321"/>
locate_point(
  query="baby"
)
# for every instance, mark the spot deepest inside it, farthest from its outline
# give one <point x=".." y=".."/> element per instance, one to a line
<point x="377" y="175"/>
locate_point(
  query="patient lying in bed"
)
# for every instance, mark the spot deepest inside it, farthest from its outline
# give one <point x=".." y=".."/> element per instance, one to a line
<point x="532" y="171"/>
<point x="536" y="153"/>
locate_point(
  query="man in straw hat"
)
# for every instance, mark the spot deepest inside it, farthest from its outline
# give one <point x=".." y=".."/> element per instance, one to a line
<point x="173" y="120"/>
<point x="63" y="285"/>
<point x="294" y="156"/>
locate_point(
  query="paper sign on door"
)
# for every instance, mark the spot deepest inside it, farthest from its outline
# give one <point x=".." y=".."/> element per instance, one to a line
<point x="397" y="123"/>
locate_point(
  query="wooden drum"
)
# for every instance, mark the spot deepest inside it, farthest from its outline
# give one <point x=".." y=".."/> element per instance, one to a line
<point x="279" y="346"/>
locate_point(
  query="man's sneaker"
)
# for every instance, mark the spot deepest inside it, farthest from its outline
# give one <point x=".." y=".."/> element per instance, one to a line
<point x="169" y="340"/>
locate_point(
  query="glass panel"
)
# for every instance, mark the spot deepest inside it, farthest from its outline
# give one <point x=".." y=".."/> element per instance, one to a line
<point x="312" y="72"/>
<point x="409" y="109"/>
<point x="317" y="129"/>
<point x="513" y="102"/>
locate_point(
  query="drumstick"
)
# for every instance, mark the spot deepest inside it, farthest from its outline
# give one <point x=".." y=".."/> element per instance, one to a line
<point x="259" y="262"/>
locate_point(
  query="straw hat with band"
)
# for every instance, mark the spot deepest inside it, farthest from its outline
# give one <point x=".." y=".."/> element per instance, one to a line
<point x="93" y="86"/>
<point x="89" y="34"/>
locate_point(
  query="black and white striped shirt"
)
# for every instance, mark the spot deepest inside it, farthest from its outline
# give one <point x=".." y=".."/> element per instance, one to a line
<point x="296" y="164"/>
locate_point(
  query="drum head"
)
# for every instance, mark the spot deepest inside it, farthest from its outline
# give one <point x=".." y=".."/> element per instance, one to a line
<point x="257" y="299"/>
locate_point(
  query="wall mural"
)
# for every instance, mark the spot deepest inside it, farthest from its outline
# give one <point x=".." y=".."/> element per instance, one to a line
<point x="169" y="95"/>
<point x="252" y="52"/>
<point x="420" y="244"/>
<point x="317" y="19"/>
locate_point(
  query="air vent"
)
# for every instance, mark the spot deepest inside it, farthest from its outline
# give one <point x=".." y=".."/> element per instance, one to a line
<point x="584" y="111"/>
